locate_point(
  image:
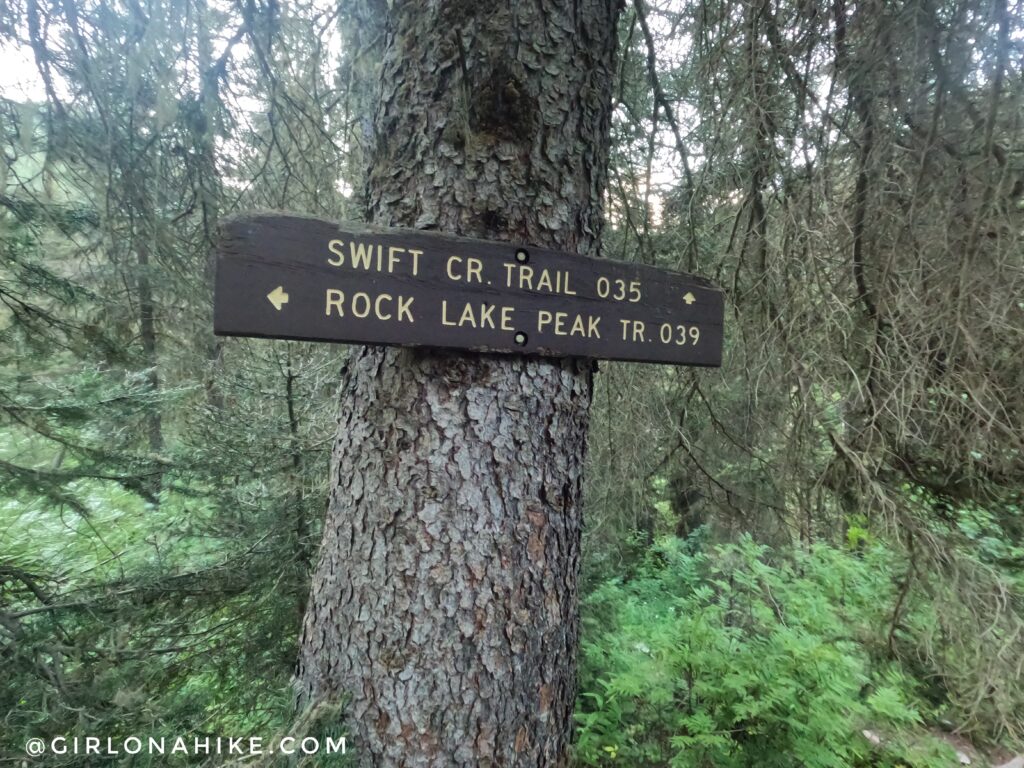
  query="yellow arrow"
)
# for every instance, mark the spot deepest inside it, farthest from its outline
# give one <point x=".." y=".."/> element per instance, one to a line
<point x="278" y="297"/>
<point x="688" y="298"/>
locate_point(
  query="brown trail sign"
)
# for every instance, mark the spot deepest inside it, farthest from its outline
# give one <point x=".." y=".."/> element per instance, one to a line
<point x="293" y="277"/>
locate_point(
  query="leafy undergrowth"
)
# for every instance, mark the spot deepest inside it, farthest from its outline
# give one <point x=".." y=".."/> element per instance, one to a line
<point x="739" y="655"/>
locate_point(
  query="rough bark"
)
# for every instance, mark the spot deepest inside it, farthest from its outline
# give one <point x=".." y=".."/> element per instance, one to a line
<point x="444" y="606"/>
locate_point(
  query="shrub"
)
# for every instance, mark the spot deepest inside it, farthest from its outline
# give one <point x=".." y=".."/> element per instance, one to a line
<point x="728" y="658"/>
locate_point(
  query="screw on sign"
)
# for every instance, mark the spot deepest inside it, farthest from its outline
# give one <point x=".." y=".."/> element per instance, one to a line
<point x="293" y="277"/>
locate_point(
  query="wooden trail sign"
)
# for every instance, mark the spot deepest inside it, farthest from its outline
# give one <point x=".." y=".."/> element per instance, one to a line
<point x="292" y="277"/>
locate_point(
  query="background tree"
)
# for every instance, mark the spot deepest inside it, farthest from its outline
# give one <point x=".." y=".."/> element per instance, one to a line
<point x="155" y="564"/>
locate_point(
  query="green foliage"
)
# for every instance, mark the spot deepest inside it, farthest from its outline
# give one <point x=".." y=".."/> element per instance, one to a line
<point x="742" y="656"/>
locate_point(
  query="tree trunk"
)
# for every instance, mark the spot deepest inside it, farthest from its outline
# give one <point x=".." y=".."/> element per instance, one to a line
<point x="444" y="607"/>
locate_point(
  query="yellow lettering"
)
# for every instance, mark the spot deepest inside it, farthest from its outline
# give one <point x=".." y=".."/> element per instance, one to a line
<point x="592" y="330"/>
<point x="638" y="328"/>
<point x="371" y="256"/>
<point x="363" y="308"/>
<point x="544" y="284"/>
<point x="578" y="327"/>
<point x="546" y="280"/>
<point x="467" y="317"/>
<point x="393" y="259"/>
<point x="336" y="299"/>
<point x="444" y="314"/>
<point x="405" y="307"/>
<point x="473" y="269"/>
<point x="547" y="318"/>
<point x="336" y="247"/>
<point x="362" y="304"/>
<point x="361" y="255"/>
<point x="526" y="278"/>
<point x="486" y="315"/>
<point x="506" y="318"/>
